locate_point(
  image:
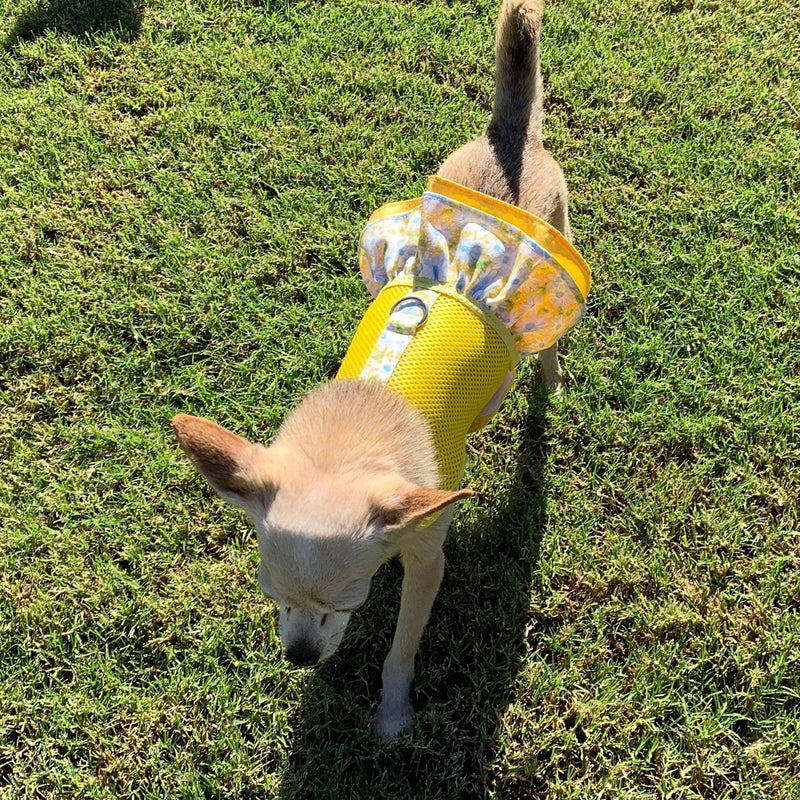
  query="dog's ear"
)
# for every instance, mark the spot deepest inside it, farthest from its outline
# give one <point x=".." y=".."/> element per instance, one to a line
<point x="399" y="504"/>
<point x="236" y="468"/>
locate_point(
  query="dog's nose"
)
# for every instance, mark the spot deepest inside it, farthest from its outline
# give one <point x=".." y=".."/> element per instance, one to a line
<point x="302" y="654"/>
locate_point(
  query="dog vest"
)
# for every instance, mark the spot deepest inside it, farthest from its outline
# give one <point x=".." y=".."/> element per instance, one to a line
<point x="464" y="285"/>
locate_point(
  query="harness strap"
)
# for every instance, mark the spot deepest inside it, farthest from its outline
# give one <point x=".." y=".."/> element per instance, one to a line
<point x="407" y="316"/>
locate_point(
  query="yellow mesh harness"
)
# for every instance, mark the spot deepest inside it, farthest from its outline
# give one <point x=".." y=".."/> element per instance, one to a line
<point x="455" y="362"/>
<point x="439" y="348"/>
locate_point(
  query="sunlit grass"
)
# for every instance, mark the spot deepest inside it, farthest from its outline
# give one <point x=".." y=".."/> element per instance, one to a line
<point x="181" y="191"/>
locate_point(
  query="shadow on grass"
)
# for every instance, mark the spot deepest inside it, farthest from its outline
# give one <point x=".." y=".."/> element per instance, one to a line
<point x="467" y="668"/>
<point x="81" y="18"/>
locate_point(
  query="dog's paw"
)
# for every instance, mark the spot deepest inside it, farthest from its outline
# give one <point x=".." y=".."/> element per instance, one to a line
<point x="556" y="386"/>
<point x="551" y="370"/>
<point x="390" y="722"/>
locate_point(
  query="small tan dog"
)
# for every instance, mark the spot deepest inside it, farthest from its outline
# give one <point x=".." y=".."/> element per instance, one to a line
<point x="351" y="479"/>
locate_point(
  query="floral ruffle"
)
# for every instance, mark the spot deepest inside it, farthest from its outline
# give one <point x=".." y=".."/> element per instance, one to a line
<point x="499" y="266"/>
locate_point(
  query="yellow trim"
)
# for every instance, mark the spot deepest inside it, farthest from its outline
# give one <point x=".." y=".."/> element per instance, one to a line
<point x="415" y="282"/>
<point x="398" y="207"/>
<point x="539" y="230"/>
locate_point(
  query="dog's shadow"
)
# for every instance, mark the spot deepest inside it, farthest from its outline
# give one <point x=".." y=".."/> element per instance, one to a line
<point x="80" y="18"/>
<point x="470" y="657"/>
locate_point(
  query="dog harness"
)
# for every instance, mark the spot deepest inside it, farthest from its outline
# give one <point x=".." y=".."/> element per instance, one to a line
<point x="464" y="285"/>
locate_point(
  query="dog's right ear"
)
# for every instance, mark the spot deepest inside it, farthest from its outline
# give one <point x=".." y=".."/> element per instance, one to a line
<point x="236" y="468"/>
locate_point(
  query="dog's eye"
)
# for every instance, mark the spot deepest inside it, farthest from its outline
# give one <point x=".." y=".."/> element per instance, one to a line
<point x="353" y="597"/>
<point x="323" y="620"/>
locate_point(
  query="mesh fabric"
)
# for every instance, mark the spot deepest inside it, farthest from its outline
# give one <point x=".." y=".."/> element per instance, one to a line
<point x="451" y="369"/>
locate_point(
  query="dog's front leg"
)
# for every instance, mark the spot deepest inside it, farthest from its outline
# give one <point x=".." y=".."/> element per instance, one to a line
<point x="420" y="584"/>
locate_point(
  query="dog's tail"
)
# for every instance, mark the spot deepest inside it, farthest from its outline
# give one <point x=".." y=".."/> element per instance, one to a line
<point x="518" y="96"/>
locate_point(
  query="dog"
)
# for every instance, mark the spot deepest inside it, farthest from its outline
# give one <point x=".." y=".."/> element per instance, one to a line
<point x="354" y="476"/>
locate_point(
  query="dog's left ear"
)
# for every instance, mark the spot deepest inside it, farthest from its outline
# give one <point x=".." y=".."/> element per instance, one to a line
<point x="400" y="504"/>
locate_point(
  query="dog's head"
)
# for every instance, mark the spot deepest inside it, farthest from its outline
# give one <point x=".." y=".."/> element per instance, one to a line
<point x="323" y="526"/>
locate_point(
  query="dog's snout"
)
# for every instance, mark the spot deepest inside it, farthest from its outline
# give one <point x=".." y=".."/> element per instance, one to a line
<point x="302" y="654"/>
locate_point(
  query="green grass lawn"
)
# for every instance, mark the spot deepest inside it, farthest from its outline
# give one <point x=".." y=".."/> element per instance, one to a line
<point x="182" y="186"/>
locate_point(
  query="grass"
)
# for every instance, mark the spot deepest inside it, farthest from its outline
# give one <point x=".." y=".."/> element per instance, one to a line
<point x="182" y="186"/>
